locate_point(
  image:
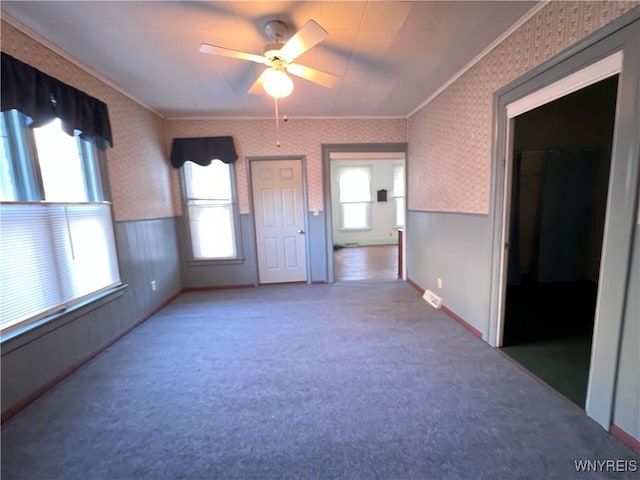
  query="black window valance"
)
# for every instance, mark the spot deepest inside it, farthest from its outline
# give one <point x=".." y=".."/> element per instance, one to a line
<point x="202" y="150"/>
<point x="43" y="98"/>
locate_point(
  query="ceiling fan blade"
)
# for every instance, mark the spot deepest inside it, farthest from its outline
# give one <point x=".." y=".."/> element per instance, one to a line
<point x="308" y="36"/>
<point x="227" y="52"/>
<point x="316" y="76"/>
<point x="258" y="85"/>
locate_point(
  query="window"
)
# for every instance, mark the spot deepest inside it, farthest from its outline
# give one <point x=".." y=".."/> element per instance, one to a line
<point x="59" y="157"/>
<point x="211" y="213"/>
<point x="7" y="187"/>
<point x="354" y="184"/>
<point x="57" y="245"/>
<point x="398" y="194"/>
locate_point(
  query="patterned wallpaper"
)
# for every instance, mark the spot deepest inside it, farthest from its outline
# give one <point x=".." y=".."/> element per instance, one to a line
<point x="255" y="138"/>
<point x="138" y="164"/>
<point x="450" y="138"/>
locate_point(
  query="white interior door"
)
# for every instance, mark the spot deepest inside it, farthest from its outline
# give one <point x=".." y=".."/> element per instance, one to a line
<point x="278" y="201"/>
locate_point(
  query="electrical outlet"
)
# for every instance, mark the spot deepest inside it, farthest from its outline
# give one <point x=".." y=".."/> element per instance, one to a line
<point x="439" y="283"/>
<point x="153" y="285"/>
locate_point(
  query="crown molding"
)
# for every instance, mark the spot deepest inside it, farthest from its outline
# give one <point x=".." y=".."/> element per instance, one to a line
<point x="289" y="117"/>
<point x="521" y="21"/>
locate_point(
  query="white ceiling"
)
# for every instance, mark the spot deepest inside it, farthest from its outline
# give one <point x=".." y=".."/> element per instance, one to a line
<point x="390" y="55"/>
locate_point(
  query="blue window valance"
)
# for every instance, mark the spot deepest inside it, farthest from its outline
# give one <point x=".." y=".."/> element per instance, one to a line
<point x="202" y="150"/>
<point x="43" y="98"/>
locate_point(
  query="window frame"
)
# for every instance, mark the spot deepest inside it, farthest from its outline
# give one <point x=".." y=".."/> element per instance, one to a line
<point x="28" y="183"/>
<point x="235" y="216"/>
<point x="368" y="203"/>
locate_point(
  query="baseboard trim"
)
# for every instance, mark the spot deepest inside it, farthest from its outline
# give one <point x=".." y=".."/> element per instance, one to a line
<point x="217" y="287"/>
<point x="18" y="406"/>
<point x="449" y="312"/>
<point x="318" y="282"/>
<point x="416" y="286"/>
<point x="625" y="438"/>
<point x="461" y="321"/>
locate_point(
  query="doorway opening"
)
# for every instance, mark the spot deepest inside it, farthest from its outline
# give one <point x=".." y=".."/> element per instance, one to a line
<point x="367" y="194"/>
<point x="559" y="186"/>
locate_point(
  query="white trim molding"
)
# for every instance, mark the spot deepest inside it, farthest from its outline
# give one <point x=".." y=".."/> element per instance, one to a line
<point x="605" y="68"/>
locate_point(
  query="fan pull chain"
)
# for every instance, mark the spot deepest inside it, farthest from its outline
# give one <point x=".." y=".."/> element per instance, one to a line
<point x="277" y="124"/>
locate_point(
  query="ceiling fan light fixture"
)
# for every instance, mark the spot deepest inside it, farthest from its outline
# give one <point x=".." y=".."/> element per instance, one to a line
<point x="277" y="83"/>
<point x="279" y="56"/>
<point x="272" y="50"/>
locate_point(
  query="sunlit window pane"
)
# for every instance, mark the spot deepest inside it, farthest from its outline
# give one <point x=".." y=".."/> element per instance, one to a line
<point x="355" y="215"/>
<point x="209" y="200"/>
<point x="398" y="181"/>
<point x="399" y="212"/>
<point x="212" y="233"/>
<point x="210" y="182"/>
<point x="60" y="164"/>
<point x="85" y="248"/>
<point x="354" y="184"/>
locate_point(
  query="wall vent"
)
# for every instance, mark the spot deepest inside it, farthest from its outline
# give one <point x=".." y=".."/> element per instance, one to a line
<point x="431" y="298"/>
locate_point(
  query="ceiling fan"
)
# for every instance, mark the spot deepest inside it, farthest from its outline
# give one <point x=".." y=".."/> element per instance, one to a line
<point x="279" y="56"/>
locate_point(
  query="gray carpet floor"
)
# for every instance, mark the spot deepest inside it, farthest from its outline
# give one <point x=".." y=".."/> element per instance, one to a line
<point x="359" y="380"/>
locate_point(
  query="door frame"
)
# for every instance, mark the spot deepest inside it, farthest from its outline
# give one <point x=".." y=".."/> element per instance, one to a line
<point x="327" y="150"/>
<point x="622" y="35"/>
<point x="305" y="209"/>
<point x="600" y="70"/>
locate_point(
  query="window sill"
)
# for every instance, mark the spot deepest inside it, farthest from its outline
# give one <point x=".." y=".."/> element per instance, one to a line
<point x="214" y="262"/>
<point x="29" y="332"/>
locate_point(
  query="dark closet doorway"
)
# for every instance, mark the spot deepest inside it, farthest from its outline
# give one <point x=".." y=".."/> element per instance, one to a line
<point x="561" y="162"/>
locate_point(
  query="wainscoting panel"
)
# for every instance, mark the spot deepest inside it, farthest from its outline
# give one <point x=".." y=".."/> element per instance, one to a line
<point x="456" y="248"/>
<point x="33" y="361"/>
<point x="317" y="247"/>
<point x="626" y="413"/>
<point x="245" y="273"/>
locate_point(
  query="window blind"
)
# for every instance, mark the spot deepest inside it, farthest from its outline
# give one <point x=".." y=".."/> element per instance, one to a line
<point x="52" y="255"/>
<point x="30" y="284"/>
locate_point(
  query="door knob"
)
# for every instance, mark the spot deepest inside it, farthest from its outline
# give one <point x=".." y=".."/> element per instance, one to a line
<point x="300" y="231"/>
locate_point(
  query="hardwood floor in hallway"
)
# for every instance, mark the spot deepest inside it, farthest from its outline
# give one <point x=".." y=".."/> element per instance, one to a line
<point x="375" y="262"/>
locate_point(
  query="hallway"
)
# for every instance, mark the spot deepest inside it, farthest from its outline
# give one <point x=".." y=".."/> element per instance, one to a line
<point x="374" y="262"/>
